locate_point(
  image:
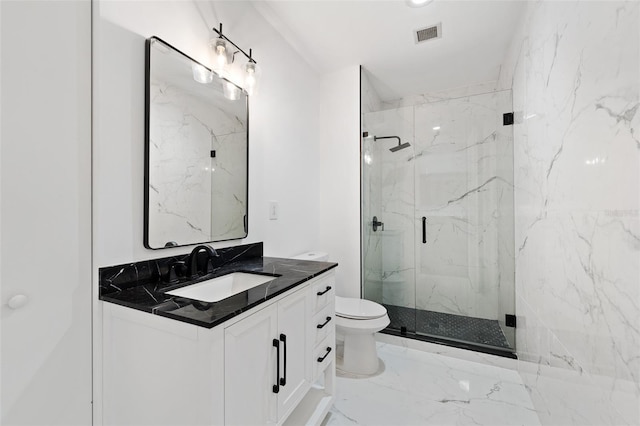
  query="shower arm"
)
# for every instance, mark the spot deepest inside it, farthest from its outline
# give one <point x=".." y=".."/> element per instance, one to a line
<point x="395" y="148"/>
<point x="375" y="138"/>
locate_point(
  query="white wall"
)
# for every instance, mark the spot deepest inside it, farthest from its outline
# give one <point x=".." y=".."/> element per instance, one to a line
<point x="45" y="130"/>
<point x="577" y="220"/>
<point x="283" y="124"/>
<point x="283" y="146"/>
<point x="340" y="176"/>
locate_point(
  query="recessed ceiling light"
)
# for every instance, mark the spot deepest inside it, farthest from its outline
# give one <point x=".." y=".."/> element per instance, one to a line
<point x="418" y="3"/>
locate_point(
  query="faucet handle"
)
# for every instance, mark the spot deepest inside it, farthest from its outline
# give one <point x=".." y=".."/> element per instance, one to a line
<point x="176" y="270"/>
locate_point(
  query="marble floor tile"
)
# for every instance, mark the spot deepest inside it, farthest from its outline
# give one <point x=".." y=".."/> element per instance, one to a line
<point x="421" y="388"/>
<point x="568" y="397"/>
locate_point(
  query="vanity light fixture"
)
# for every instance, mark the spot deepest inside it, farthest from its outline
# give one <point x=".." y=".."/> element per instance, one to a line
<point x="219" y="47"/>
<point x="201" y="74"/>
<point x="230" y="91"/>
<point x="251" y="77"/>
<point x="224" y="59"/>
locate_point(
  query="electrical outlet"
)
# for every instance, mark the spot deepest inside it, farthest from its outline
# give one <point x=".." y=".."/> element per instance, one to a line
<point x="273" y="210"/>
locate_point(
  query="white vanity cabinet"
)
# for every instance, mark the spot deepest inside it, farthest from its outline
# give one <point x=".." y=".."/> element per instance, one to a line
<point x="266" y="362"/>
<point x="161" y="371"/>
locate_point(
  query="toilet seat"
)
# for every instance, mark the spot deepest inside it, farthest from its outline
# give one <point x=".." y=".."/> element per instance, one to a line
<point x="359" y="326"/>
<point x="359" y="309"/>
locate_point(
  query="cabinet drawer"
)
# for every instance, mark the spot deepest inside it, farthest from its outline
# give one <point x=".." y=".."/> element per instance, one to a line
<point x="323" y="292"/>
<point x="324" y="354"/>
<point x="323" y="324"/>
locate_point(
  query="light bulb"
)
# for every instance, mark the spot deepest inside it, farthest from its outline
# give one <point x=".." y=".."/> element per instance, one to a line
<point x="220" y="52"/>
<point x="221" y="57"/>
<point x="250" y="77"/>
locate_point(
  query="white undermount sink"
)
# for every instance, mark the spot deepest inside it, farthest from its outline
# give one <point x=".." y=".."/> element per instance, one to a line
<point x="220" y="288"/>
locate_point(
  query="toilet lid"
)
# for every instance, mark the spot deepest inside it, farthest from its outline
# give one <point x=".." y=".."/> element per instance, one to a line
<point x="348" y="307"/>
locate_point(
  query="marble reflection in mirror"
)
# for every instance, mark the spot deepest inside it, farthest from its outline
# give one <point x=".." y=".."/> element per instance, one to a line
<point x="197" y="147"/>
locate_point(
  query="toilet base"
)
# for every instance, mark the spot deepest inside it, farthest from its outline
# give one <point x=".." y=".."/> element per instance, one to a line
<point x="360" y="355"/>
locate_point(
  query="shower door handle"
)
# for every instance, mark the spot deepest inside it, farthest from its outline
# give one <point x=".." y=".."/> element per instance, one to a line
<point x="424" y="230"/>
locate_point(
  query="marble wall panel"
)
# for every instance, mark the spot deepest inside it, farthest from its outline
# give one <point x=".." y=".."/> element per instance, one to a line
<point x="574" y="71"/>
<point x="442" y="95"/>
<point x="369" y="99"/>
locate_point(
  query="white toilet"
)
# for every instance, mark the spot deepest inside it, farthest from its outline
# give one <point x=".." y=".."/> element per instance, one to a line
<point x="356" y="322"/>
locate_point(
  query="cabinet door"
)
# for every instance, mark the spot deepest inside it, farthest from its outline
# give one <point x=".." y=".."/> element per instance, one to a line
<point x="250" y="369"/>
<point x="292" y="326"/>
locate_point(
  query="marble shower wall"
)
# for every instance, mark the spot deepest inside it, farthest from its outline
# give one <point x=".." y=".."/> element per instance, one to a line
<point x="185" y="179"/>
<point x="574" y="71"/>
<point x="369" y="99"/>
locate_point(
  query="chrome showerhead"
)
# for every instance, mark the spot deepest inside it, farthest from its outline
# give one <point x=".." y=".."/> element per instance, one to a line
<point x="400" y="146"/>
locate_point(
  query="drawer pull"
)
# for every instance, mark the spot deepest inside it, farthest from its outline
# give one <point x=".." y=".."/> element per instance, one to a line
<point x="320" y="293"/>
<point x="320" y="359"/>
<point x="324" y="323"/>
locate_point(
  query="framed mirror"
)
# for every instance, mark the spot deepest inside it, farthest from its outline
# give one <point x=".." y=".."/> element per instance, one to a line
<point x="196" y="152"/>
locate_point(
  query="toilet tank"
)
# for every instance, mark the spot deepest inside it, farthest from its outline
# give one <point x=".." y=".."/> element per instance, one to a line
<point x="319" y="256"/>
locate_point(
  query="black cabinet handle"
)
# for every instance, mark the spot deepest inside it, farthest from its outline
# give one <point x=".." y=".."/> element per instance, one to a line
<point x="276" y="387"/>
<point x="324" y="323"/>
<point x="424" y="230"/>
<point x="320" y="359"/>
<point x="320" y="293"/>
<point x="283" y="380"/>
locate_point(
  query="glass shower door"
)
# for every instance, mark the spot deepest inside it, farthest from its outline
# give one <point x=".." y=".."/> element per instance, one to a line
<point x="437" y="220"/>
<point x="388" y="199"/>
<point x="464" y="276"/>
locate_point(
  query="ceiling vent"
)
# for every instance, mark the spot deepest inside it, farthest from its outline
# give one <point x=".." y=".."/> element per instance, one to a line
<point x="428" y="33"/>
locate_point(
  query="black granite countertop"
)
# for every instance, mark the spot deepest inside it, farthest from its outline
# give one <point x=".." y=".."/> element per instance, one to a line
<point x="144" y="285"/>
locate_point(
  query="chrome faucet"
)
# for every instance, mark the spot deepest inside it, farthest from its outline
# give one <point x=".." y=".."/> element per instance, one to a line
<point x="192" y="263"/>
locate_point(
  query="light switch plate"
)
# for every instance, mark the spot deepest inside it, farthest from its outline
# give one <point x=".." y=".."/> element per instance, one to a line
<point x="273" y="210"/>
